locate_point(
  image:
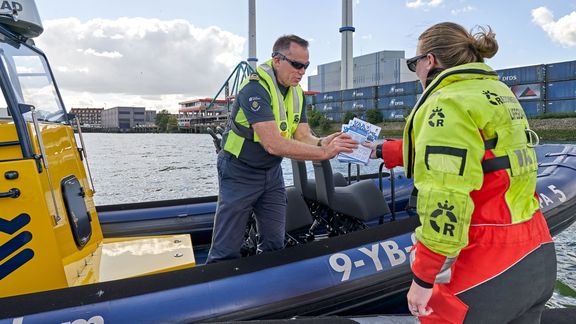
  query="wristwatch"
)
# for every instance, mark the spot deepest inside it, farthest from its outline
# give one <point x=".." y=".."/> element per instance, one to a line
<point x="379" y="151"/>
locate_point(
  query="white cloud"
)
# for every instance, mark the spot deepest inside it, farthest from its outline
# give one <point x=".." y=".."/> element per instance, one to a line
<point x="466" y="9"/>
<point x="367" y="37"/>
<point x="423" y="4"/>
<point x="562" y="31"/>
<point x="135" y="58"/>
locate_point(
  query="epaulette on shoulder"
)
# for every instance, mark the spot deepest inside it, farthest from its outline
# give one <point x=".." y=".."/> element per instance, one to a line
<point x="254" y="77"/>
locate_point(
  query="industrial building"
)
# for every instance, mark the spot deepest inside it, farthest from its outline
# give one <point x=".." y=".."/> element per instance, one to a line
<point x="384" y="67"/>
<point x="125" y="119"/>
<point x="88" y="117"/>
<point x="194" y="115"/>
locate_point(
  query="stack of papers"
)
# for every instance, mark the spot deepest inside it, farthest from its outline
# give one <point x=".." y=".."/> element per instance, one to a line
<point x="362" y="132"/>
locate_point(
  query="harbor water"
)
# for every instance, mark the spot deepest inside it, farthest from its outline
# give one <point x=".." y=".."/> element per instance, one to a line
<point x="130" y="168"/>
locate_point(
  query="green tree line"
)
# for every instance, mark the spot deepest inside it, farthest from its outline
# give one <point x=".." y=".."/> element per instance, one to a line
<point x="166" y="122"/>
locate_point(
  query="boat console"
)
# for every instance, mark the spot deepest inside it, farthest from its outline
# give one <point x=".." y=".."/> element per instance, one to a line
<point x="50" y="234"/>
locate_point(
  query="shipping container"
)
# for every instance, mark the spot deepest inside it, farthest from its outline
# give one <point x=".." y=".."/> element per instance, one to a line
<point x="395" y="114"/>
<point x="561" y="90"/>
<point x="561" y="106"/>
<point x="523" y="75"/>
<point x="419" y="88"/>
<point x="396" y="102"/>
<point x="399" y="89"/>
<point x="309" y="99"/>
<point x="533" y="108"/>
<point x="365" y="93"/>
<point x="355" y="105"/>
<point x="348" y="94"/>
<point x="328" y="96"/>
<point x="532" y="91"/>
<point x="359" y="93"/>
<point x="561" y="71"/>
<point x="331" y="107"/>
<point x="334" y="117"/>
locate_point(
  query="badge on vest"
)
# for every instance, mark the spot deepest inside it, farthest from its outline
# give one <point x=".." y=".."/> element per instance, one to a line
<point x="283" y="126"/>
<point x="296" y="119"/>
<point x="254" y="77"/>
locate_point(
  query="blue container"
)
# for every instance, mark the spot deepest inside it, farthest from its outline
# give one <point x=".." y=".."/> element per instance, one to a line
<point x="533" y="108"/>
<point x="365" y="93"/>
<point x="328" y="96"/>
<point x="348" y="94"/>
<point x="561" y="106"/>
<point x="523" y="75"/>
<point x="532" y="91"/>
<point x="395" y="114"/>
<point x="309" y="99"/>
<point x="396" y="102"/>
<point x="329" y="107"/>
<point x="561" y="90"/>
<point x="561" y="71"/>
<point x="419" y="88"/>
<point x="399" y="89"/>
<point x="358" y="105"/>
<point x="334" y="117"/>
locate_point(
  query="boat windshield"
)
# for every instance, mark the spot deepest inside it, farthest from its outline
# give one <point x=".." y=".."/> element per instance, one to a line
<point x="32" y="82"/>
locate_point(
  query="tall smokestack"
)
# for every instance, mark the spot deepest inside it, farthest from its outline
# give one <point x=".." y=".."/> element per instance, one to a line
<point x="252" y="59"/>
<point x="347" y="67"/>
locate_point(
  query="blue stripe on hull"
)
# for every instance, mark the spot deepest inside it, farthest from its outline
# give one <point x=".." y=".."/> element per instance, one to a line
<point x="205" y="300"/>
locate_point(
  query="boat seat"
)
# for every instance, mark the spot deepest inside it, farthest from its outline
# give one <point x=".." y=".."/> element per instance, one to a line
<point x="362" y="200"/>
<point x="308" y="186"/>
<point x="297" y="213"/>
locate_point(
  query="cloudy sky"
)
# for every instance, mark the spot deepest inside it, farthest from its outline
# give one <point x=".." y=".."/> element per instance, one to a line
<point x="156" y="54"/>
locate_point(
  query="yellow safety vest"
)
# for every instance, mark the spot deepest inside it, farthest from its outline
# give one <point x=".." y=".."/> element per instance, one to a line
<point x="286" y="110"/>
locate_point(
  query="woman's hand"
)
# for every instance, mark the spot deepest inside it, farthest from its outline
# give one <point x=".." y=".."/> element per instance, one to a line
<point x="418" y="298"/>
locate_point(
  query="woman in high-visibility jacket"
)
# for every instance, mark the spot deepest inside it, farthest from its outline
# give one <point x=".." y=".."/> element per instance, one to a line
<point x="484" y="253"/>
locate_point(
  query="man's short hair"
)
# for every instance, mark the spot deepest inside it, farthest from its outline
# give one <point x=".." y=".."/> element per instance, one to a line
<point x="282" y="44"/>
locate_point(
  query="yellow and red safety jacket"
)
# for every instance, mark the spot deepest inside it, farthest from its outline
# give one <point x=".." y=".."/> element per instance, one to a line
<point x="466" y="143"/>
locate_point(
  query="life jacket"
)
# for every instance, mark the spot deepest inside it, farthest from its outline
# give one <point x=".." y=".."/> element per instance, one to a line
<point x="286" y="110"/>
<point x="465" y="125"/>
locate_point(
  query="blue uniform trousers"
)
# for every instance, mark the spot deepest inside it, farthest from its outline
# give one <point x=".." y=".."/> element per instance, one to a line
<point x="243" y="189"/>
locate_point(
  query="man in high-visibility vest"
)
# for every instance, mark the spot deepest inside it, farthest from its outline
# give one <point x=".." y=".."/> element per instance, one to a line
<point x="268" y="122"/>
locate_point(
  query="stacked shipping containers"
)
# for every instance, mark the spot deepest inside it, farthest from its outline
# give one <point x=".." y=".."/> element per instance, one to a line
<point x="541" y="89"/>
<point x="396" y="100"/>
<point x="561" y="87"/>
<point x="358" y="101"/>
<point x="527" y="84"/>
<point x="330" y="104"/>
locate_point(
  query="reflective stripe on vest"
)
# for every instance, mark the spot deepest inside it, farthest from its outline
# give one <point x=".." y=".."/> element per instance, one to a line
<point x="248" y="132"/>
<point x="281" y="110"/>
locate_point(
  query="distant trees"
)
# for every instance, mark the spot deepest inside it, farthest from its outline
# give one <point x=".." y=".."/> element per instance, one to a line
<point x="348" y="116"/>
<point x="373" y="116"/>
<point x="314" y="118"/>
<point x="317" y="119"/>
<point x="166" y="122"/>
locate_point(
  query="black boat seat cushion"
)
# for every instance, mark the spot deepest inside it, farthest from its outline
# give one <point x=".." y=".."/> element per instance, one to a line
<point x="362" y="200"/>
<point x="297" y="212"/>
<point x="308" y="186"/>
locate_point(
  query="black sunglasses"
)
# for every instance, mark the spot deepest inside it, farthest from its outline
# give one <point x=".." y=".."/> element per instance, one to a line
<point x="295" y="64"/>
<point x="411" y="62"/>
